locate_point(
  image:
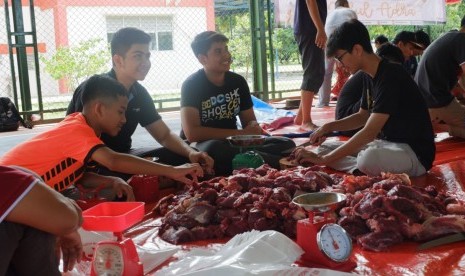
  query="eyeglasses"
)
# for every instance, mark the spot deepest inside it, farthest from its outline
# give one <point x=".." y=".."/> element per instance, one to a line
<point x="339" y="58"/>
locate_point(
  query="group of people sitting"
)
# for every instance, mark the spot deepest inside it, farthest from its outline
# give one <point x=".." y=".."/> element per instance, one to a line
<point x="92" y="145"/>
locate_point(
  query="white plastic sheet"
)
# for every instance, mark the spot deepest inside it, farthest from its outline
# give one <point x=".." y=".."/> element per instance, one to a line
<point x="250" y="253"/>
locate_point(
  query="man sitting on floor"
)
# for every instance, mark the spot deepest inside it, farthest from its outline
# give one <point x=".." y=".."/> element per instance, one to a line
<point x="212" y="98"/>
<point x="397" y="135"/>
<point x="438" y="72"/>
<point x="351" y="94"/>
<point x="63" y="154"/>
<point x="35" y="221"/>
<point x="130" y="50"/>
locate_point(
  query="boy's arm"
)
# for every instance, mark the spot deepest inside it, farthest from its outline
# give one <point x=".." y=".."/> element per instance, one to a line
<point x="93" y="180"/>
<point x="367" y="134"/>
<point x="320" y="39"/>
<point x="195" y="132"/>
<point x="351" y="122"/>
<point x="45" y="209"/>
<point x="126" y="163"/>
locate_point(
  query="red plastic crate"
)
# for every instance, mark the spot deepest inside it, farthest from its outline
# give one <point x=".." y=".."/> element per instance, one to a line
<point x="112" y="216"/>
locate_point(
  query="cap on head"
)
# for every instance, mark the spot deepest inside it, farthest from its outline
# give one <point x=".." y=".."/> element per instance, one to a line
<point x="406" y="37"/>
<point x="422" y="38"/>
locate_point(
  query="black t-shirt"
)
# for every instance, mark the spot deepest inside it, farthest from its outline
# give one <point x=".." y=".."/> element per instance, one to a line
<point x="348" y="101"/>
<point x="141" y="110"/>
<point x="218" y="106"/>
<point x="439" y="68"/>
<point x="303" y="23"/>
<point x="395" y="93"/>
<point x="411" y="65"/>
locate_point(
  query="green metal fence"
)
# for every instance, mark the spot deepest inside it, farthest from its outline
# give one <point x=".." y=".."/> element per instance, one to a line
<point x="52" y="46"/>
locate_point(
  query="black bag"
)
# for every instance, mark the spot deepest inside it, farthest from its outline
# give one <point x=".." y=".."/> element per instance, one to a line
<point x="10" y="117"/>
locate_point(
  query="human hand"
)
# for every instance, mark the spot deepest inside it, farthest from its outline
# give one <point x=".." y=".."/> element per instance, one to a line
<point x="320" y="39"/>
<point x="304" y="156"/>
<point x="253" y="128"/>
<point x="181" y="173"/>
<point x="318" y="136"/>
<point x="205" y="161"/>
<point x="71" y="249"/>
<point x="120" y="187"/>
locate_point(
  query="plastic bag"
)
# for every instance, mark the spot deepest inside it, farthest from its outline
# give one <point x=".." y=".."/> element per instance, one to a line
<point x="250" y="253"/>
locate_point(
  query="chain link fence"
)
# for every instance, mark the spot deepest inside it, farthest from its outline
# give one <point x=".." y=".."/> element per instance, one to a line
<point x="73" y="43"/>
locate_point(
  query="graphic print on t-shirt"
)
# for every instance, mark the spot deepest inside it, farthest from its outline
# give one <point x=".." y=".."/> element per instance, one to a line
<point x="221" y="106"/>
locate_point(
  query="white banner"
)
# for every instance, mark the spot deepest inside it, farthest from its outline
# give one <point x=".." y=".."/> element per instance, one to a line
<point x="378" y="12"/>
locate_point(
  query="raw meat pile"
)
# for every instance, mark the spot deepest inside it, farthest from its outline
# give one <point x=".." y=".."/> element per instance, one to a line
<point x="378" y="212"/>
<point x="390" y="211"/>
<point x="249" y="199"/>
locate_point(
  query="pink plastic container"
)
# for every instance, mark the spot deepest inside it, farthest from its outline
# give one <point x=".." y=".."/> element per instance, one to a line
<point x="112" y="216"/>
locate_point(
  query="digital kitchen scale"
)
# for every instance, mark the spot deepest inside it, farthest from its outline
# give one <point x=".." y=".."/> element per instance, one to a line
<point x="326" y="244"/>
<point x="114" y="257"/>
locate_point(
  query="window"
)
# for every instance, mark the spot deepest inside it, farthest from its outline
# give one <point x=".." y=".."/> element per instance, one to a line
<point x="160" y="28"/>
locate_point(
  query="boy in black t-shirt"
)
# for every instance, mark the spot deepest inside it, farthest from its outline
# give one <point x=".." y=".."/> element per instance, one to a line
<point x="212" y="98"/>
<point x="397" y="135"/>
<point x="349" y="100"/>
<point x="131" y="63"/>
<point x="440" y="69"/>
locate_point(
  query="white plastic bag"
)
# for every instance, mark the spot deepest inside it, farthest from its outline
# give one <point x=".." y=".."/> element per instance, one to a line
<point x="245" y="254"/>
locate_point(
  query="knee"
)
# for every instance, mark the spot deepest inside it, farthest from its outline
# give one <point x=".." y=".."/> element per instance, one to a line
<point x="369" y="160"/>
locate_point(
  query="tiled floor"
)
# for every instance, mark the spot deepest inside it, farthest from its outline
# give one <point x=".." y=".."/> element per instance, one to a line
<point x="140" y="137"/>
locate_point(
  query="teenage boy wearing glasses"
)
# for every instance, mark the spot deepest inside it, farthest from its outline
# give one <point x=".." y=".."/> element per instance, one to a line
<point x="396" y="134"/>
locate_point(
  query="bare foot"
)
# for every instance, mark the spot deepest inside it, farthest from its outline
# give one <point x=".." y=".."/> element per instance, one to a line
<point x="298" y="117"/>
<point x="308" y="126"/>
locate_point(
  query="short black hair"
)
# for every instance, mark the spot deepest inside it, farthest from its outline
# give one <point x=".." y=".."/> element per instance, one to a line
<point x="101" y="87"/>
<point x="203" y="41"/>
<point x="391" y="52"/>
<point x="381" y="39"/>
<point x="124" y="38"/>
<point x="346" y="36"/>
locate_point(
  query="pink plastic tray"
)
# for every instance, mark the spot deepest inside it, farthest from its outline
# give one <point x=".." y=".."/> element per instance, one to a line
<point x="113" y="216"/>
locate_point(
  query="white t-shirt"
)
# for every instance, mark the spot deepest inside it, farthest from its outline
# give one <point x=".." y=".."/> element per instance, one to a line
<point x="337" y="17"/>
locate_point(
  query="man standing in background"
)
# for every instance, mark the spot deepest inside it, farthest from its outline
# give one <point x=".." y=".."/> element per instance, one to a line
<point x="339" y="15"/>
<point x="309" y="32"/>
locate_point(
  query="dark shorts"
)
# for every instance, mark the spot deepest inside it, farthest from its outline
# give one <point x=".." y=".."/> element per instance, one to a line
<point x="313" y="62"/>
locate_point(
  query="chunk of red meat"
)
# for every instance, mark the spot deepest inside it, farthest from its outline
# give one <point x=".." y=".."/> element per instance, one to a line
<point x="163" y="205"/>
<point x="207" y="232"/>
<point x="281" y="195"/>
<point x="245" y="198"/>
<point x="177" y="235"/>
<point x="209" y="195"/>
<point x="379" y="241"/>
<point x="228" y="202"/>
<point x="354" y="225"/>
<point x="201" y="212"/>
<point x="178" y="220"/>
<point x="404" y="209"/>
<point x="370" y="204"/>
<point x="439" y="226"/>
<point x="237" y="225"/>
